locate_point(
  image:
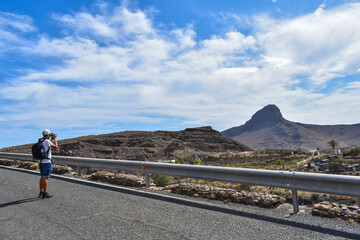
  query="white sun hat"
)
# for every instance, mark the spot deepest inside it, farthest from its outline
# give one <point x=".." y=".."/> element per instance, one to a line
<point x="46" y="132"/>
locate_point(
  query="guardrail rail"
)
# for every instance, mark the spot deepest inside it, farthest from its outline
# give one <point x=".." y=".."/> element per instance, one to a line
<point x="313" y="182"/>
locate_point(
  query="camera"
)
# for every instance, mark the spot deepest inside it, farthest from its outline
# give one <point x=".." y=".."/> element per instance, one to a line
<point x="52" y="134"/>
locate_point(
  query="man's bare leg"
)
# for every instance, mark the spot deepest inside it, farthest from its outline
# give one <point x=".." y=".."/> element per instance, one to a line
<point x="43" y="184"/>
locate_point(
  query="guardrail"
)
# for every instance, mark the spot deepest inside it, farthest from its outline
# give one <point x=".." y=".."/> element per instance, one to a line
<point x="314" y="182"/>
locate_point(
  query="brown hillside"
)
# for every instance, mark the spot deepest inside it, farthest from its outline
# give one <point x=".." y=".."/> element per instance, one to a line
<point x="144" y="145"/>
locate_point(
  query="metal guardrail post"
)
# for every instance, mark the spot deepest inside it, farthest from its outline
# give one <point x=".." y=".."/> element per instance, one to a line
<point x="295" y="201"/>
<point x="78" y="171"/>
<point x="147" y="178"/>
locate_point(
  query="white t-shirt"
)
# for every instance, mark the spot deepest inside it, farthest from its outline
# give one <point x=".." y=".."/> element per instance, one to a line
<point x="47" y="146"/>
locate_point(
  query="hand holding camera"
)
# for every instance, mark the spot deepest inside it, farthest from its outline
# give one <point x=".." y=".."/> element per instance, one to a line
<point x="53" y="136"/>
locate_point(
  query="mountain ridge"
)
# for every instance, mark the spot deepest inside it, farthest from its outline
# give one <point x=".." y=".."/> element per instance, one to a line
<point x="144" y="145"/>
<point x="269" y="129"/>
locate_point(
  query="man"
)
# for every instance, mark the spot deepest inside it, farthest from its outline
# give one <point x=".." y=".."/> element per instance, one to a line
<point x="45" y="164"/>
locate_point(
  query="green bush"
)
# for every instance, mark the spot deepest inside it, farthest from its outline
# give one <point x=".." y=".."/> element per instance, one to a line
<point x="244" y="187"/>
<point x="335" y="165"/>
<point x="287" y="190"/>
<point x="197" y="161"/>
<point x="347" y="152"/>
<point x="161" y="180"/>
<point x="279" y="162"/>
<point x="354" y="151"/>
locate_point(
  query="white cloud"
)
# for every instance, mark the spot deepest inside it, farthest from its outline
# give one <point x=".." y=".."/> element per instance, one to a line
<point x="108" y="24"/>
<point x="277" y="62"/>
<point x="353" y="85"/>
<point x="185" y="37"/>
<point x="64" y="47"/>
<point x="17" y="22"/>
<point x="320" y="10"/>
<point x="85" y="22"/>
<point x="234" y="42"/>
<point x="116" y="66"/>
<point x="134" y="22"/>
<point x="12" y="28"/>
<point x="325" y="44"/>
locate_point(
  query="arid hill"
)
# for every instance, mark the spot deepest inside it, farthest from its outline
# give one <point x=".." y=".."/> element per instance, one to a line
<point x="144" y="145"/>
<point x="268" y="129"/>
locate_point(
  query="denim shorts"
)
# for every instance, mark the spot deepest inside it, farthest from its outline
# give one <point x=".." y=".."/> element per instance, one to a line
<point x="45" y="169"/>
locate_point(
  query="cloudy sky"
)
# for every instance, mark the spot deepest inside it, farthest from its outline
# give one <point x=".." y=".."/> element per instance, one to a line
<point x="89" y="67"/>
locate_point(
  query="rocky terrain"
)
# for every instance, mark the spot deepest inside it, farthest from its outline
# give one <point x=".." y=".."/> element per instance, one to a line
<point x="268" y="129"/>
<point x="227" y="194"/>
<point x="337" y="210"/>
<point x="144" y="145"/>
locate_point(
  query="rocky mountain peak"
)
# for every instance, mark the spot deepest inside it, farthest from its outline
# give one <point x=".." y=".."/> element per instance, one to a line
<point x="268" y="129"/>
<point x="267" y="117"/>
<point x="264" y="118"/>
<point x="270" y="113"/>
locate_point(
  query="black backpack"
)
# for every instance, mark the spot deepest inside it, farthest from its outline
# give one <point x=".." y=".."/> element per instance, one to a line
<point x="38" y="151"/>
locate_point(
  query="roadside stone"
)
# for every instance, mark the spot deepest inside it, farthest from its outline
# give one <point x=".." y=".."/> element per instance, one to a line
<point x="334" y="210"/>
<point x="7" y="162"/>
<point x="323" y="207"/>
<point x="335" y="204"/>
<point x="306" y="199"/>
<point x="120" y="179"/>
<point x="315" y="212"/>
<point x="353" y="208"/>
<point x="226" y="194"/>
<point x="61" y="169"/>
<point x="25" y="164"/>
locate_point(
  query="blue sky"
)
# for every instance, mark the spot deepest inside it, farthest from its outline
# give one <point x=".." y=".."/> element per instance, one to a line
<point x="90" y="67"/>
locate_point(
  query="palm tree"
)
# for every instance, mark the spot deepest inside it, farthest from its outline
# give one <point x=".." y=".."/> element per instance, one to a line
<point x="333" y="143"/>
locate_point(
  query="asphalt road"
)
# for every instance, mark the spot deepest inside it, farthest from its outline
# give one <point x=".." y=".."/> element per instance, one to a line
<point x="80" y="210"/>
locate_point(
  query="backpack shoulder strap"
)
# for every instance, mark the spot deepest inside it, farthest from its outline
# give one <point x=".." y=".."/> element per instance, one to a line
<point x="47" y="152"/>
<point x="41" y="140"/>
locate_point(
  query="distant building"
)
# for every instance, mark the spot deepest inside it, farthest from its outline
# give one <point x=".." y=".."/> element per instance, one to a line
<point x="353" y="168"/>
<point x="318" y="165"/>
<point x="337" y="152"/>
<point x="350" y="168"/>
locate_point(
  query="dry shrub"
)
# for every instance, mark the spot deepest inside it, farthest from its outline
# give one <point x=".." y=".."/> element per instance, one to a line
<point x="34" y="166"/>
